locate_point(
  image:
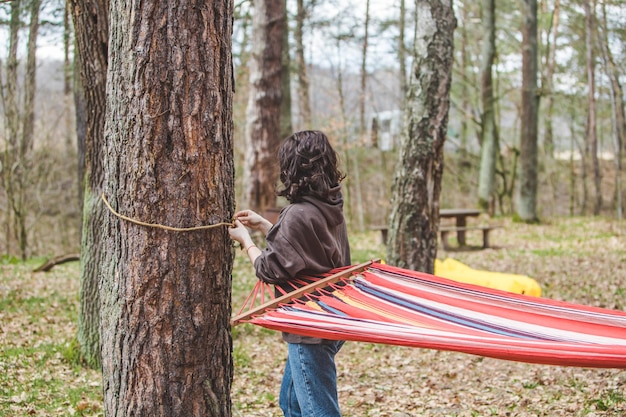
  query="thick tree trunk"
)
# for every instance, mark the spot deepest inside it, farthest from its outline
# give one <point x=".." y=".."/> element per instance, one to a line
<point x="91" y="27"/>
<point x="264" y="105"/>
<point x="489" y="133"/>
<point x="526" y="192"/>
<point x="165" y="310"/>
<point x="417" y="184"/>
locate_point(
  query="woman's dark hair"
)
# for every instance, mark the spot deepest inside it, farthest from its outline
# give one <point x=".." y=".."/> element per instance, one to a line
<point x="308" y="166"/>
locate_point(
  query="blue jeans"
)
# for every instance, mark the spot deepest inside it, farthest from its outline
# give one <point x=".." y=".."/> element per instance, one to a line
<point x="309" y="386"/>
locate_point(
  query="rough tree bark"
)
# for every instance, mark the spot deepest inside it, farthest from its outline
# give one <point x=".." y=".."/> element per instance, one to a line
<point x="165" y="296"/>
<point x="264" y="105"/>
<point x="91" y="23"/>
<point x="417" y="184"/>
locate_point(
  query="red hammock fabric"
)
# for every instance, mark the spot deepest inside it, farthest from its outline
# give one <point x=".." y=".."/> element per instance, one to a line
<point x="385" y="304"/>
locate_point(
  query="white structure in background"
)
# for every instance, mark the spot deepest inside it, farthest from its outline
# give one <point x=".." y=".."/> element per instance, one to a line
<point x="575" y="156"/>
<point x="386" y="129"/>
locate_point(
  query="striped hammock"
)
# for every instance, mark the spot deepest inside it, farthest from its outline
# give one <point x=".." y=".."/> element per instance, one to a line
<point x="379" y="303"/>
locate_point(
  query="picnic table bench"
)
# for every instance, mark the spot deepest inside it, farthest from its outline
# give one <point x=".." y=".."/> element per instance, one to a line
<point x="460" y="227"/>
<point x="446" y="230"/>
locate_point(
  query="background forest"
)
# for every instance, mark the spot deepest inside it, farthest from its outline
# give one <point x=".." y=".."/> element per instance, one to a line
<point x="354" y="75"/>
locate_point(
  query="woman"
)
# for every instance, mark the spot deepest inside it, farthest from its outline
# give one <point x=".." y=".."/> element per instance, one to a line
<point x="309" y="238"/>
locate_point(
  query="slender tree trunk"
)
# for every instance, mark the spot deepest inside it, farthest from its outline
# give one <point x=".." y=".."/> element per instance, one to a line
<point x="592" y="134"/>
<point x="286" y="125"/>
<point x="356" y="172"/>
<point x="348" y="183"/>
<point x="572" y="166"/>
<point x="22" y="165"/>
<point x="11" y="115"/>
<point x="417" y="184"/>
<point x="617" y="114"/>
<point x="264" y="105"/>
<point x="465" y="104"/>
<point x="489" y="134"/>
<point x="364" y="51"/>
<point x="548" y="80"/>
<point x="67" y="75"/>
<point x="551" y="169"/>
<point x="402" y="51"/>
<point x="166" y="343"/>
<point x="527" y="183"/>
<point x="30" y="83"/>
<point x="91" y="25"/>
<point x="304" y="101"/>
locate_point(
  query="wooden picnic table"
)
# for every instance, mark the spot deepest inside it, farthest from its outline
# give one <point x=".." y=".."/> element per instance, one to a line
<point x="460" y="227"/>
<point x="461" y="215"/>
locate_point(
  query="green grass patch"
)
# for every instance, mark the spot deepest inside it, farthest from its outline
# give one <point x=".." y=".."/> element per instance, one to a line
<point x="609" y="400"/>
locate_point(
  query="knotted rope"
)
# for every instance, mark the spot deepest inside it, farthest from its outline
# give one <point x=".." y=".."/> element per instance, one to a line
<point x="164" y="227"/>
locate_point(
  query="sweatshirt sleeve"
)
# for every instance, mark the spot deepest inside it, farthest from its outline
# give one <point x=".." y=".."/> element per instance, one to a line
<point x="279" y="266"/>
<point x="282" y="259"/>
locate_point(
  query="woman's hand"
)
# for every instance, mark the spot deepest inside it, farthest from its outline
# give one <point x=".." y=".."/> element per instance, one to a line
<point x="240" y="234"/>
<point x="253" y="220"/>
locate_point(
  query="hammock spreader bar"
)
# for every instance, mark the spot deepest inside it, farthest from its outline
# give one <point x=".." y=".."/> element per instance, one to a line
<point x="307" y="289"/>
<point x="384" y="304"/>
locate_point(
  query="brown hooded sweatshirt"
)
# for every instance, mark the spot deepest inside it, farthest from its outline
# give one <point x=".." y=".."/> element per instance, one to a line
<point x="309" y="238"/>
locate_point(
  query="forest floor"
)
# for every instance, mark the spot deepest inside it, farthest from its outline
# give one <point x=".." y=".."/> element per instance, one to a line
<point x="580" y="260"/>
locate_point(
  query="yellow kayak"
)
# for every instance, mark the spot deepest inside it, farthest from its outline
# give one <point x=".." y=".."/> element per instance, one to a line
<point x="516" y="283"/>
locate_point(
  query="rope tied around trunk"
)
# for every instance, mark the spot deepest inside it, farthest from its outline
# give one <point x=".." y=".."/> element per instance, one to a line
<point x="161" y="226"/>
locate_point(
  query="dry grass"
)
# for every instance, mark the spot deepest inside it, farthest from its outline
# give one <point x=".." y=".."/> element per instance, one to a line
<point x="581" y="260"/>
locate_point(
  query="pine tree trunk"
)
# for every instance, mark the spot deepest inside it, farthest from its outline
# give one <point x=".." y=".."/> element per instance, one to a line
<point x="165" y="296"/>
<point x="417" y="184"/>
